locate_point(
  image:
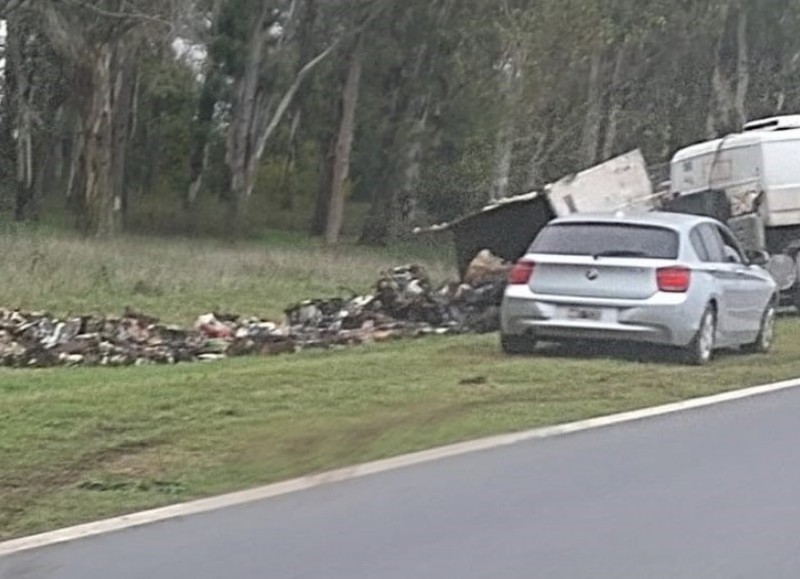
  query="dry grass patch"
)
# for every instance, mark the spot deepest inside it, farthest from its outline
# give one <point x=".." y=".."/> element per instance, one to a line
<point x="178" y="279"/>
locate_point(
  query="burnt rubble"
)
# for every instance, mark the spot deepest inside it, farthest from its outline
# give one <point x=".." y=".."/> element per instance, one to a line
<point x="404" y="304"/>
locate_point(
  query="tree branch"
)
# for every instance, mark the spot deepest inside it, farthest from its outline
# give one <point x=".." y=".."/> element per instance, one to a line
<point x="65" y="39"/>
<point x="286" y="101"/>
<point x="289" y="96"/>
<point x="133" y="14"/>
<point x="8" y="6"/>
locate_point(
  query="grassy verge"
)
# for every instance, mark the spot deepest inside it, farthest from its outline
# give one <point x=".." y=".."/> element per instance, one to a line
<point x="83" y="444"/>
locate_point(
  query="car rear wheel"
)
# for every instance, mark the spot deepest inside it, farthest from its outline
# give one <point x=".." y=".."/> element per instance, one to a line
<point x="700" y="351"/>
<point x="766" y="334"/>
<point x="517" y="345"/>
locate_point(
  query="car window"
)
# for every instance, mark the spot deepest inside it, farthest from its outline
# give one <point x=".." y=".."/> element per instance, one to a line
<point x="732" y="249"/>
<point x="713" y="242"/>
<point x="607" y="240"/>
<point x="699" y="246"/>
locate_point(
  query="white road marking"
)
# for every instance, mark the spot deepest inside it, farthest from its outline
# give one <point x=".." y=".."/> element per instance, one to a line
<point x="362" y="470"/>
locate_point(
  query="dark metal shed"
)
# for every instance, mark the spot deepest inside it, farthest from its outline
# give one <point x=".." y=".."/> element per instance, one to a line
<point x="506" y="228"/>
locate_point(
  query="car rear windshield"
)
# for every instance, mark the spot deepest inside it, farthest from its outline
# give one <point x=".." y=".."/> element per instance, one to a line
<point x="607" y="240"/>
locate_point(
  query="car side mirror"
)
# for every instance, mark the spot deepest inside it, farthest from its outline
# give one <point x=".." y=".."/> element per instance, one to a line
<point x="758" y="257"/>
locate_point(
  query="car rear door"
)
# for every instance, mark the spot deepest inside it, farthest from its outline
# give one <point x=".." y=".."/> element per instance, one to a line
<point x="735" y="294"/>
<point x="753" y="290"/>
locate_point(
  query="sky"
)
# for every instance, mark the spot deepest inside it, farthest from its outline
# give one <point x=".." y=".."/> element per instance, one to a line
<point x="194" y="55"/>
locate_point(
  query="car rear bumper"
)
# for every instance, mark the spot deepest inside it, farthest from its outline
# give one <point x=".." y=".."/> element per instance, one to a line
<point x="669" y="319"/>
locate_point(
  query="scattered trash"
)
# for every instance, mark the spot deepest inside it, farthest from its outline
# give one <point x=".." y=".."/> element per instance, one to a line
<point x="39" y="340"/>
<point x="404" y="304"/>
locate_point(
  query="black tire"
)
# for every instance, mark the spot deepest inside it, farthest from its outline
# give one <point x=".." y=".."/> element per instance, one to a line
<point x="517" y="345"/>
<point x="766" y="334"/>
<point x="793" y="251"/>
<point x="796" y="296"/>
<point x="701" y="349"/>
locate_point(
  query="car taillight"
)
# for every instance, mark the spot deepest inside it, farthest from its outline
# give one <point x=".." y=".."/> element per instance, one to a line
<point x="674" y="279"/>
<point x="521" y="273"/>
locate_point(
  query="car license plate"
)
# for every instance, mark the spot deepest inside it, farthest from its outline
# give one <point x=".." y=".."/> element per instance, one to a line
<point x="588" y="314"/>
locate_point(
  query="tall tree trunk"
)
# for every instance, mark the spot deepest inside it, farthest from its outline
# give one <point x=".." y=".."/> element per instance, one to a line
<point x="202" y="124"/>
<point x="505" y="135"/>
<point x="7" y="121"/>
<point x="77" y="143"/>
<point x="719" y="109"/>
<point x="780" y="101"/>
<point x="99" y="197"/>
<point x="537" y="148"/>
<point x="393" y="207"/>
<point x="511" y="91"/>
<point x="326" y="155"/>
<point x="404" y="132"/>
<point x="590" y="140"/>
<point x="122" y="101"/>
<point x="742" y="66"/>
<point x="59" y="149"/>
<point x="92" y="58"/>
<point x="505" y="152"/>
<point x="344" y="146"/>
<point x="407" y="202"/>
<point x="615" y="104"/>
<point x="244" y="107"/>
<point x="268" y="116"/>
<point x="384" y="221"/>
<point x="20" y="86"/>
<point x="285" y="188"/>
<point x="377" y="227"/>
<point x="151" y="173"/>
<point x="256" y="114"/>
<point x="307" y="49"/>
<point x="198" y="156"/>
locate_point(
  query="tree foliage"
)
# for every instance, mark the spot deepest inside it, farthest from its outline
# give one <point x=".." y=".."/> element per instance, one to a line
<point x="413" y="111"/>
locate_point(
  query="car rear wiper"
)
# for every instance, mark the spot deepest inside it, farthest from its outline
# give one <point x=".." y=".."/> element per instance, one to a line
<point x="620" y="253"/>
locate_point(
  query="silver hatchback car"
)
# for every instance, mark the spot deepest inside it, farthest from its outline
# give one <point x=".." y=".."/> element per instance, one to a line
<point x="660" y="278"/>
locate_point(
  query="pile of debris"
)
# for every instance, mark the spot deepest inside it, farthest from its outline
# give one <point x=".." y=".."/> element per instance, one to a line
<point x="37" y="339"/>
<point x="404" y="304"/>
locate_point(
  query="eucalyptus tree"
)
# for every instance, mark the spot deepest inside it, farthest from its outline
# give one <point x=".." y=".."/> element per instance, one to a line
<point x="97" y="42"/>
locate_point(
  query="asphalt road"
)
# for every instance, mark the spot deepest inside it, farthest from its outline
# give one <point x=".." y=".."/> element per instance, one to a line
<point x="710" y="493"/>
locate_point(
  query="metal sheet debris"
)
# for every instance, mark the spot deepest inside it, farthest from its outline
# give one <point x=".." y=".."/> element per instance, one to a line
<point x="508" y="226"/>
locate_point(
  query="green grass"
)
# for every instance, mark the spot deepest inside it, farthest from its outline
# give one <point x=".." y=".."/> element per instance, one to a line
<point x="178" y="279"/>
<point x="82" y="444"/>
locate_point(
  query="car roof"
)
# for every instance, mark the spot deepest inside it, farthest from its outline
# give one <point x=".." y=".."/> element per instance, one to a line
<point x="677" y="221"/>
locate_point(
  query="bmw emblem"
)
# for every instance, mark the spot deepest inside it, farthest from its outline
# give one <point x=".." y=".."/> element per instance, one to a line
<point x="592" y="274"/>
